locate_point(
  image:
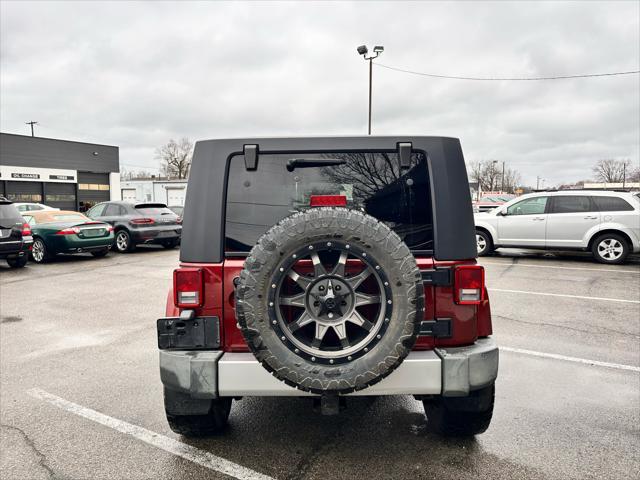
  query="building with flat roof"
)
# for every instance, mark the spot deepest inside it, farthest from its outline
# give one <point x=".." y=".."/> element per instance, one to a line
<point x="59" y="173"/>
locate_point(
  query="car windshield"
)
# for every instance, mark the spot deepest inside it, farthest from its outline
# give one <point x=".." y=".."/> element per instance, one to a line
<point x="369" y="182"/>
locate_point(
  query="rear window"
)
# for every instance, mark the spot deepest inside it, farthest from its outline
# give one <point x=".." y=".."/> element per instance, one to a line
<point x="9" y="212"/>
<point x="611" y="204"/>
<point x="154" y="211"/>
<point x="371" y="182"/>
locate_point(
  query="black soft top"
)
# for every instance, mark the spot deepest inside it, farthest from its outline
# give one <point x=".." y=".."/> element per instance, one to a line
<point x="205" y="204"/>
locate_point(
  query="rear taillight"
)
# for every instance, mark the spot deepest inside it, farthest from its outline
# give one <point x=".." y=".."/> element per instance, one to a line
<point x="69" y="231"/>
<point x="188" y="287"/>
<point x="469" y="284"/>
<point x="26" y="230"/>
<point x="109" y="228"/>
<point x="179" y="220"/>
<point x="328" y="201"/>
<point x="142" y="221"/>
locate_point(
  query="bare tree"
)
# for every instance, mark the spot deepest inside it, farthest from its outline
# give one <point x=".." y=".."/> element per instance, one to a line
<point x="488" y="174"/>
<point x="175" y="158"/>
<point x="610" y="170"/>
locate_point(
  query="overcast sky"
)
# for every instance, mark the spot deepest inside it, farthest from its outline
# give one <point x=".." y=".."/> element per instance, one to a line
<point x="138" y="74"/>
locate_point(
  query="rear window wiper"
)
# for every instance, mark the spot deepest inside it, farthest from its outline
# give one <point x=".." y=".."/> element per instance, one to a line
<point x="313" y="162"/>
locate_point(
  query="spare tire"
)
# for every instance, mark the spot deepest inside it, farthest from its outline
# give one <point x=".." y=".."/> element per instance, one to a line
<point x="330" y="300"/>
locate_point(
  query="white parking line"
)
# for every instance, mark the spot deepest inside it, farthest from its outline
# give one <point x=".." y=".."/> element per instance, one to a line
<point x="201" y="457"/>
<point x="555" y="356"/>
<point x="606" y="299"/>
<point x="505" y="264"/>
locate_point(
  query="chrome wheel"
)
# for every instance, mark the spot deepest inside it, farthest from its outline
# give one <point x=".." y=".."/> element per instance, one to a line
<point x="38" y="250"/>
<point x="481" y="243"/>
<point x="122" y="241"/>
<point x="610" y="249"/>
<point x="331" y="302"/>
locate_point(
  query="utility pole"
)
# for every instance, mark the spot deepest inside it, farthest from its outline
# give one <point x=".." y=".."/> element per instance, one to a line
<point x="32" y="123"/>
<point x="363" y="50"/>
<point x="538" y="182"/>
<point x="502" y="186"/>
<point x="624" y="174"/>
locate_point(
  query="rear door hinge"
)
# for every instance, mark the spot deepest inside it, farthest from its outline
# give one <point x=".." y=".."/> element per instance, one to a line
<point x="436" y="277"/>
<point x="438" y="328"/>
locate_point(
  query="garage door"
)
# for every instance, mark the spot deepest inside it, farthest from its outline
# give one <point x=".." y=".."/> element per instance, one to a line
<point x="129" y="194"/>
<point x="175" y="197"/>
<point x="24" y="191"/>
<point x="60" y="195"/>
<point x="92" y="188"/>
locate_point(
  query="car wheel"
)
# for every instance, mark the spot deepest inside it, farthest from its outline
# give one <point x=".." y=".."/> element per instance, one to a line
<point x="169" y="244"/>
<point x="212" y="420"/>
<point x="100" y="253"/>
<point x="610" y="248"/>
<point x="461" y="416"/>
<point x="39" y="251"/>
<point x="484" y="243"/>
<point x="342" y="296"/>
<point x="123" y="242"/>
<point x="17" y="262"/>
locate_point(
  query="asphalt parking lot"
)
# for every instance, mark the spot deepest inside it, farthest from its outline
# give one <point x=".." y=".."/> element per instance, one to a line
<point x="81" y="397"/>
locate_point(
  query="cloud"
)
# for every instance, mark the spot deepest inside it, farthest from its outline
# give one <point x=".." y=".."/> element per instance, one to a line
<point x="137" y="74"/>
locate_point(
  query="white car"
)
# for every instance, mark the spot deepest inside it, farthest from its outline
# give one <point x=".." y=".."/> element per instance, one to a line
<point x="30" y="207"/>
<point x="607" y="223"/>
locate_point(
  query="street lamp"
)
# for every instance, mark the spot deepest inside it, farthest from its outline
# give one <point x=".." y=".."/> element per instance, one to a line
<point x="363" y="50"/>
<point x="502" y="184"/>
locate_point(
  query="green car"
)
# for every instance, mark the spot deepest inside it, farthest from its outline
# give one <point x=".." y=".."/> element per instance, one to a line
<point x="59" y="231"/>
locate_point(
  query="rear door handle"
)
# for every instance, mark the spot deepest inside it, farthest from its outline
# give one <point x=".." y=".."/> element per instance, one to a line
<point x="590" y="218"/>
<point x="538" y="218"/>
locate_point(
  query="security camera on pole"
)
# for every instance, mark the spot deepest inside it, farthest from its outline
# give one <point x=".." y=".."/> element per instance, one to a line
<point x="363" y="50"/>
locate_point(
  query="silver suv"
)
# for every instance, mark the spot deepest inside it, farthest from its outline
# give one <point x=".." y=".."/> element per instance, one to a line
<point x="607" y="223"/>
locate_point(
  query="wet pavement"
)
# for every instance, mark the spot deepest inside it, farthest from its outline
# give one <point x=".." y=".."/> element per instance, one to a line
<point x="83" y="329"/>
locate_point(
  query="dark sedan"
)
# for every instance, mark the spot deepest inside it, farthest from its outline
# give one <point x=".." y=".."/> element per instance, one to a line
<point x="65" y="231"/>
<point x="139" y="223"/>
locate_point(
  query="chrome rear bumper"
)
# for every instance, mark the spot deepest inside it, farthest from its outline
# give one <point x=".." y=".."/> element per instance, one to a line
<point x="449" y="372"/>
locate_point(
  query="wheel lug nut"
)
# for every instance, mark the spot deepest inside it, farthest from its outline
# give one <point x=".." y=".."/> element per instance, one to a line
<point x="316" y="304"/>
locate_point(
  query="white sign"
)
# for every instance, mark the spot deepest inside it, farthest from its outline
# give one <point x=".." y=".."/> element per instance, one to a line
<point x="30" y="174"/>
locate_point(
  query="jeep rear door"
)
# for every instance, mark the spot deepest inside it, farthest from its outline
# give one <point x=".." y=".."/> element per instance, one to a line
<point x="524" y="223"/>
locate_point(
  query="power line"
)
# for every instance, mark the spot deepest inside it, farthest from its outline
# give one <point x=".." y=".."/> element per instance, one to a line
<point x="516" y="79"/>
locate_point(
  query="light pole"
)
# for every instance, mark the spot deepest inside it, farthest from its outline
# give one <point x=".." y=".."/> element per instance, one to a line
<point x="538" y="183"/>
<point x="502" y="182"/>
<point x="363" y="50"/>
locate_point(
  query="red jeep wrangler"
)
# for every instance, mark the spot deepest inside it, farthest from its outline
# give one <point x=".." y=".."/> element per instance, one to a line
<point x="328" y="267"/>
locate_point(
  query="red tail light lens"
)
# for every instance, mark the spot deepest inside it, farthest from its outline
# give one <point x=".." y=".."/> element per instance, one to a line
<point x="188" y="287"/>
<point x="469" y="284"/>
<point x="69" y="231"/>
<point x="142" y="221"/>
<point x="328" y="201"/>
<point x="109" y="228"/>
<point x="26" y="230"/>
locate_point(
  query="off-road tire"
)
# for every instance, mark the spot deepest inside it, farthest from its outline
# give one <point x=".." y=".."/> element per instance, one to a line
<point x="488" y="243"/>
<point x="338" y="225"/>
<point x="613" y="237"/>
<point x="100" y="253"/>
<point x="122" y="246"/>
<point x="461" y="416"/>
<point x="17" y="262"/>
<point x="212" y="422"/>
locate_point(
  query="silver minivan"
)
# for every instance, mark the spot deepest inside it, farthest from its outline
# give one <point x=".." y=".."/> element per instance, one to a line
<point x="607" y="223"/>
